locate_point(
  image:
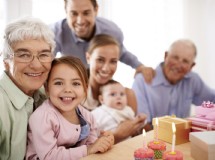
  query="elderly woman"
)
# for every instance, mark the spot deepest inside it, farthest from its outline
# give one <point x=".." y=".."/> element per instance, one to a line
<point x="27" y="54"/>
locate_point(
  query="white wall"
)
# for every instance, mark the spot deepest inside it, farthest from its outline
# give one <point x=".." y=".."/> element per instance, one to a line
<point x="149" y="26"/>
<point x="10" y="10"/>
<point x="199" y="23"/>
<point x="16" y="8"/>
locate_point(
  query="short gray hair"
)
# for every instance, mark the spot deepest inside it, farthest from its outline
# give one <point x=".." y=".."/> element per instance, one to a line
<point x="184" y="42"/>
<point x="23" y="29"/>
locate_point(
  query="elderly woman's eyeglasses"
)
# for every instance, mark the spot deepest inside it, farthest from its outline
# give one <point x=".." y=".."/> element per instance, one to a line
<point x="26" y="57"/>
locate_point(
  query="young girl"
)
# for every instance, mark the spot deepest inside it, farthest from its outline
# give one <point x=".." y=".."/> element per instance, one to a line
<point x="61" y="128"/>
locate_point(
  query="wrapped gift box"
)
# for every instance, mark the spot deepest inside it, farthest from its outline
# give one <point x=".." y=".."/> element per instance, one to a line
<point x="206" y="110"/>
<point x="201" y="124"/>
<point x="203" y="145"/>
<point x="165" y="132"/>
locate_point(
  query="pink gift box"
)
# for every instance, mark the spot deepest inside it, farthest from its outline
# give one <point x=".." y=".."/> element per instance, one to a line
<point x="201" y="124"/>
<point x="206" y="110"/>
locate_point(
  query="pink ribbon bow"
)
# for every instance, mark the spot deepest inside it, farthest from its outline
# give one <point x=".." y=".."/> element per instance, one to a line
<point x="208" y="104"/>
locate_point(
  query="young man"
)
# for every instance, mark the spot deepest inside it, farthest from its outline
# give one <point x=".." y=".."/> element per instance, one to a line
<point x="72" y="35"/>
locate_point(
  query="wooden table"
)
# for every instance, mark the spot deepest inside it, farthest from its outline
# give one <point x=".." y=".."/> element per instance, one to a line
<point x="125" y="150"/>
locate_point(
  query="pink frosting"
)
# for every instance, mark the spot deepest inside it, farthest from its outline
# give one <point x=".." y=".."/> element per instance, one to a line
<point x="143" y="153"/>
<point x="177" y="156"/>
<point x="157" y="145"/>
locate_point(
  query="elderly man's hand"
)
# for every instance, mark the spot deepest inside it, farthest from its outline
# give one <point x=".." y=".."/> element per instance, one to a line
<point x="148" y="72"/>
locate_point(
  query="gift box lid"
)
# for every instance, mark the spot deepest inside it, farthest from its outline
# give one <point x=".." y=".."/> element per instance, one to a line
<point x="166" y="122"/>
<point x="205" y="140"/>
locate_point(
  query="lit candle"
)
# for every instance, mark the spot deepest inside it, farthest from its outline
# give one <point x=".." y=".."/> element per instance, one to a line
<point x="144" y="139"/>
<point x="173" y="137"/>
<point x="156" y="129"/>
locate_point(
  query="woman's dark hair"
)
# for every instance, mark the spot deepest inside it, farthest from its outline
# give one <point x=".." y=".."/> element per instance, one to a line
<point x="101" y="40"/>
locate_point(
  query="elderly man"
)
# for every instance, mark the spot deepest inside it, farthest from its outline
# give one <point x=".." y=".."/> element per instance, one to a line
<point x="175" y="87"/>
<point x="27" y="54"/>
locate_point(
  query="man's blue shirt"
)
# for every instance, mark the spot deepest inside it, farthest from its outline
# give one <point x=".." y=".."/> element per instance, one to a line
<point x="68" y="44"/>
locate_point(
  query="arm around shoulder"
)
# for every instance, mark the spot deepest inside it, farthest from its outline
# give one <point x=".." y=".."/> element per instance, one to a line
<point x="148" y="72"/>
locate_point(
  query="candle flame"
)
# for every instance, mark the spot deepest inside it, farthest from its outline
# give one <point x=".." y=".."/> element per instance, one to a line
<point x="173" y="127"/>
<point x="144" y="133"/>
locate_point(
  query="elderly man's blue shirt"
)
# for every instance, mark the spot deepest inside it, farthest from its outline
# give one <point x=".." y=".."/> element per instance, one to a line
<point x="162" y="98"/>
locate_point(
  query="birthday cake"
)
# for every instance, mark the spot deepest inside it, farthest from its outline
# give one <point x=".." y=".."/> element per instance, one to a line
<point x="158" y="147"/>
<point x="176" y="155"/>
<point x="206" y="110"/>
<point x="143" y="154"/>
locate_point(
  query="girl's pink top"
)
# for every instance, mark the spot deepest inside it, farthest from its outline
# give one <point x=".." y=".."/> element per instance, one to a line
<point x="51" y="136"/>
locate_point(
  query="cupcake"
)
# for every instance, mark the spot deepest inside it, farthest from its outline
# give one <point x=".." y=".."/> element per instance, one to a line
<point x="158" y="147"/>
<point x="143" y="154"/>
<point x="176" y="155"/>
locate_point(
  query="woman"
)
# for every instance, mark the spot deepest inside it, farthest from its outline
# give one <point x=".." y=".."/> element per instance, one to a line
<point x="27" y="55"/>
<point x="102" y="55"/>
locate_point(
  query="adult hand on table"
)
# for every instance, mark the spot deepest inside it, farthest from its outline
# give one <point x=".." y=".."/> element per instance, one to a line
<point x="129" y="128"/>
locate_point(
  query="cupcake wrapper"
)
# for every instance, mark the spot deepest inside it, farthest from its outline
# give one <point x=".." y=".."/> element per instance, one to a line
<point x="143" y="158"/>
<point x="158" y="154"/>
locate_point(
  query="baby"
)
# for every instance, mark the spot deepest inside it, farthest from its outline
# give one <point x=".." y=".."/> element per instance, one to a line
<point x="113" y="109"/>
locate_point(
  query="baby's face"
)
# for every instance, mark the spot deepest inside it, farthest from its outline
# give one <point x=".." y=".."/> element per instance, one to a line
<point x="114" y="96"/>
